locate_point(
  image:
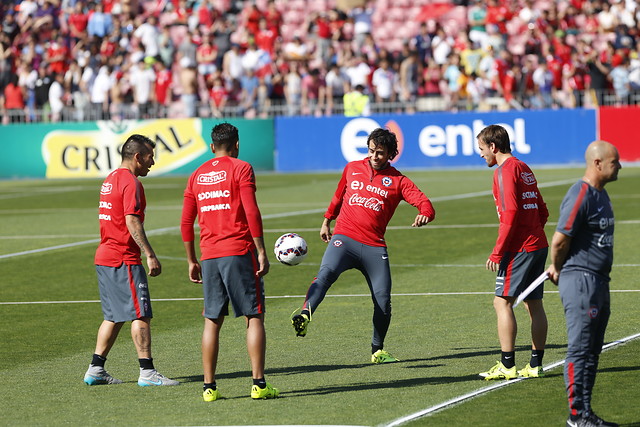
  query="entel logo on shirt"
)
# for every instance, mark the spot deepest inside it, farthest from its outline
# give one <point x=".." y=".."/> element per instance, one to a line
<point x="357" y="185"/>
<point x="211" y="178"/>
<point x="106" y="188"/>
<point x="528" y="178"/>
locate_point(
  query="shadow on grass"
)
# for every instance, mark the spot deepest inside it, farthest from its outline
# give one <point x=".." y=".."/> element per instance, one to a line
<point x="495" y="351"/>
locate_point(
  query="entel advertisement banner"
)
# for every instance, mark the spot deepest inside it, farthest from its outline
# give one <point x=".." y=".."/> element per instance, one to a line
<point x="619" y="126"/>
<point x="434" y="139"/>
<point x="88" y="150"/>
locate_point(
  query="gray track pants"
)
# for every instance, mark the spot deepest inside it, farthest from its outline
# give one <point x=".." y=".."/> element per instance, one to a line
<point x="585" y="297"/>
<point x="344" y="253"/>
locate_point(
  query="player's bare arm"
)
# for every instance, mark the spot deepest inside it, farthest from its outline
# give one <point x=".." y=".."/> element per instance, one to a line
<point x="263" y="260"/>
<point x="325" y="230"/>
<point x="560" y="245"/>
<point x="136" y="229"/>
<point x="420" y="221"/>
<point x="195" y="271"/>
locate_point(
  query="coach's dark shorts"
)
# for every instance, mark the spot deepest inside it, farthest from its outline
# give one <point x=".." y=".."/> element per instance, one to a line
<point x="232" y="278"/>
<point x="124" y="292"/>
<point x="517" y="271"/>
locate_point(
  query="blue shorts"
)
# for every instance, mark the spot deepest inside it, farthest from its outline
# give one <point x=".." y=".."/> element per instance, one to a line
<point x="232" y="278"/>
<point x="517" y="271"/>
<point x="124" y="292"/>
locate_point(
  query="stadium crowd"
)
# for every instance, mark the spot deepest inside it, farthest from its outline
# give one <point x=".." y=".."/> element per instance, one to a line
<point x="114" y="59"/>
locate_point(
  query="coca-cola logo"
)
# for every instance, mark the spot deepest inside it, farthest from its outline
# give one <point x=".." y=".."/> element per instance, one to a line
<point x="372" y="203"/>
<point x="211" y="178"/>
<point x="528" y="178"/>
<point x="106" y="188"/>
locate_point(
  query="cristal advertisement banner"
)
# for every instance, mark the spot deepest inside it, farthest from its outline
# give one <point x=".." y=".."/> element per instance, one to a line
<point x="85" y="150"/>
<point x="433" y="140"/>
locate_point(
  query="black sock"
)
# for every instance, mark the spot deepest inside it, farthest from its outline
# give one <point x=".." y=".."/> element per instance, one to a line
<point x="212" y="386"/>
<point x="509" y="359"/>
<point x="375" y="348"/>
<point x="260" y="382"/>
<point x="146" y="363"/>
<point x="306" y="312"/>
<point x="536" y="358"/>
<point x="98" y="360"/>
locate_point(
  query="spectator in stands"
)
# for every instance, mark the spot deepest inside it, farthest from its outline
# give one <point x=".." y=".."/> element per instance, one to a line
<point x="249" y="95"/>
<point x="422" y="43"/>
<point x="265" y="37"/>
<point x="295" y="50"/>
<point x="218" y="97"/>
<point x="313" y="93"/>
<point x="78" y="21"/>
<point x="221" y="32"/>
<point x="452" y="74"/>
<point x="142" y="78"/>
<point x="189" y="87"/>
<point x="543" y="85"/>
<point x="206" y="55"/>
<point x="251" y="14"/>
<point x="409" y="80"/>
<point x="9" y="26"/>
<point x="41" y="90"/>
<point x="57" y="55"/>
<point x="337" y="84"/>
<point x="99" y="94"/>
<point x="57" y="97"/>
<point x="362" y="22"/>
<point x="163" y="88"/>
<point x="384" y="82"/>
<point x="356" y="102"/>
<point x="148" y="34"/>
<point x="293" y="89"/>
<point x="432" y="78"/>
<point x="619" y="78"/>
<point x="232" y="63"/>
<point x="273" y="17"/>
<point x="14" y="101"/>
<point x="598" y="72"/>
<point x="6" y="60"/>
<point x="442" y="46"/>
<point x="358" y="72"/>
<point x="477" y="18"/>
<point x="100" y="23"/>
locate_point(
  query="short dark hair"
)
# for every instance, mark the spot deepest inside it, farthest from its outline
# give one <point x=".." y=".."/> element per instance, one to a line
<point x="384" y="138"/>
<point x="136" y="143"/>
<point x="498" y="135"/>
<point x="224" y="135"/>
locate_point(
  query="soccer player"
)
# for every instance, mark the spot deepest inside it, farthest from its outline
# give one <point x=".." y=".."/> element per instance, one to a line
<point x="519" y="254"/>
<point x="124" y="291"/>
<point x="581" y="259"/>
<point x="364" y="202"/>
<point x="221" y="193"/>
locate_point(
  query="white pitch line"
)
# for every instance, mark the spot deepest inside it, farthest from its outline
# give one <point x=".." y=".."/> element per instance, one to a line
<point x="408" y="294"/>
<point x="456" y="400"/>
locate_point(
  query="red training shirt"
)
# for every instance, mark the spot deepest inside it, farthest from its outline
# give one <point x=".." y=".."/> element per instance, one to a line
<point x="521" y="210"/>
<point x="366" y="199"/>
<point x="121" y="194"/>
<point x="222" y="194"/>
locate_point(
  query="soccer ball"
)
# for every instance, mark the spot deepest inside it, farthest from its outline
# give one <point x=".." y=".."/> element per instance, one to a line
<point x="290" y="249"/>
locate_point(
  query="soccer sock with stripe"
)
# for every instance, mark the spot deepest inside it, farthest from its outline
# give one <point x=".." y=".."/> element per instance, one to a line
<point x="212" y="386"/>
<point x="260" y="382"/>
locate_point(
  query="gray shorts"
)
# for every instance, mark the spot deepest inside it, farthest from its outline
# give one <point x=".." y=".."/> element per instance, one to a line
<point x="124" y="292"/>
<point x="518" y="270"/>
<point x="232" y="278"/>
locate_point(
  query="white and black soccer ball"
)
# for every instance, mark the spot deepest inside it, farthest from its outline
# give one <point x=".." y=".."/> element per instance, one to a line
<point x="290" y="249"/>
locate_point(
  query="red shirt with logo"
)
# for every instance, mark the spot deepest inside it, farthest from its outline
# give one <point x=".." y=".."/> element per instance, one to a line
<point x="521" y="209"/>
<point x="222" y="194"/>
<point x="121" y="194"/>
<point x="366" y="199"/>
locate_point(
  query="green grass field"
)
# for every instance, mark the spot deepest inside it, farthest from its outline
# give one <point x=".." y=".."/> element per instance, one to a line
<point x="443" y="328"/>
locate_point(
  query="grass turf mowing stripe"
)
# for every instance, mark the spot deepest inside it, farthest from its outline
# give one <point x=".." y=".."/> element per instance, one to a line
<point x="452" y="402"/>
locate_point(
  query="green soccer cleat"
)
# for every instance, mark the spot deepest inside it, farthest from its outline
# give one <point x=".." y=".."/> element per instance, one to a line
<point x="269" y="392"/>
<point x="529" y="372"/>
<point x="209" y="395"/>
<point x="300" y="323"/>
<point x="382" y="356"/>
<point x="499" y="372"/>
